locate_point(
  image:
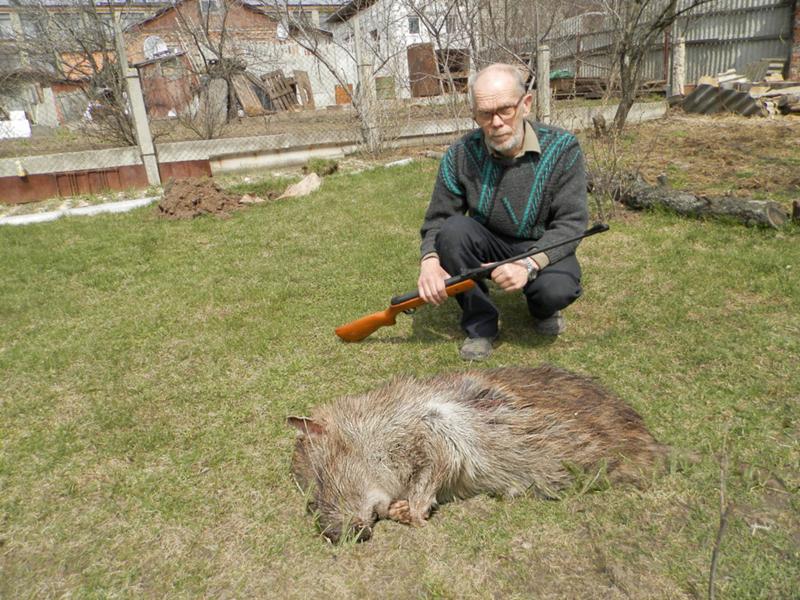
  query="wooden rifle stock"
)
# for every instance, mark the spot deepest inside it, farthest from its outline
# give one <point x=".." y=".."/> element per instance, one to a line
<point x="357" y="330"/>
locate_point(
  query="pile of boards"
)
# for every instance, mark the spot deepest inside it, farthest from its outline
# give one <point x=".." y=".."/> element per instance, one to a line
<point x="761" y="91"/>
<point x="273" y="92"/>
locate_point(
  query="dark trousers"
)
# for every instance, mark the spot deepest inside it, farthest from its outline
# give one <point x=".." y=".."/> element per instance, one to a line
<point x="463" y="243"/>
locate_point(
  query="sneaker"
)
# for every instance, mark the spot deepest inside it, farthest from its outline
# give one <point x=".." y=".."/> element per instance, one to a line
<point x="553" y="325"/>
<point x="479" y="348"/>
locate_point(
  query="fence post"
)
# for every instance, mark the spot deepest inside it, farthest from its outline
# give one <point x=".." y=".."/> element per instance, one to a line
<point x="366" y="91"/>
<point x="543" y="84"/>
<point x="678" y="74"/>
<point x="138" y="111"/>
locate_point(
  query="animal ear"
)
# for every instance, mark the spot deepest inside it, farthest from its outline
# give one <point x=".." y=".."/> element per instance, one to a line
<point x="306" y="425"/>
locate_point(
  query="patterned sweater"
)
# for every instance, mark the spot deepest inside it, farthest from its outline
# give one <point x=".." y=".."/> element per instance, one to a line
<point x="539" y="197"/>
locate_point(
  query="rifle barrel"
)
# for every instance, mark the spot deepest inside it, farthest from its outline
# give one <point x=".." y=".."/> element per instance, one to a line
<point x="483" y="272"/>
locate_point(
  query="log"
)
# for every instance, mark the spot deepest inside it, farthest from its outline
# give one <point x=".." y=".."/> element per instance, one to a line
<point x="638" y="194"/>
<point x="789" y="103"/>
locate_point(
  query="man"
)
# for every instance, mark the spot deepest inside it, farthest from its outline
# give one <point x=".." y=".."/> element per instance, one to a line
<point x="523" y="186"/>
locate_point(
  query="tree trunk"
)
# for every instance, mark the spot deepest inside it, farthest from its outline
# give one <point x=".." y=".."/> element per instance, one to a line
<point x="623" y="108"/>
<point x="628" y="70"/>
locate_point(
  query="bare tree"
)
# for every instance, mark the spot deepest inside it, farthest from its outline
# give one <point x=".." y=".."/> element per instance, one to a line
<point x="77" y="46"/>
<point x="205" y="44"/>
<point x="363" y="54"/>
<point x="636" y="27"/>
<point x="214" y="55"/>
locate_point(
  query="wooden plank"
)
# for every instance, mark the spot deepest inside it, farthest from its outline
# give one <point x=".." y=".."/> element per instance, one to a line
<point x="304" y="87"/>
<point x="247" y="97"/>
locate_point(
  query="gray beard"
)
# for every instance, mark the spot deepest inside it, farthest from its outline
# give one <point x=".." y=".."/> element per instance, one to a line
<point x="513" y="142"/>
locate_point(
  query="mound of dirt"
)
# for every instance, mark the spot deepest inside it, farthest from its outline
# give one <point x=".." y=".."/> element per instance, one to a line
<point x="190" y="198"/>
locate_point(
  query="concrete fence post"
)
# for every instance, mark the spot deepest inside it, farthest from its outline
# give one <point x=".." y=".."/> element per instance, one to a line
<point x="678" y="73"/>
<point x="543" y="84"/>
<point x="138" y="110"/>
<point x="367" y="98"/>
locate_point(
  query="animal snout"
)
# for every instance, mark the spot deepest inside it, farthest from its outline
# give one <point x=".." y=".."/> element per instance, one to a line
<point x="357" y="531"/>
<point x="361" y="533"/>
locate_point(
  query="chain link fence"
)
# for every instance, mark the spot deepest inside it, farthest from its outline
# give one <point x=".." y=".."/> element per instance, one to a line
<point x="262" y="82"/>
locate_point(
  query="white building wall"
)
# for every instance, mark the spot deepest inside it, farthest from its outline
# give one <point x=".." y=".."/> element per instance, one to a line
<point x="388" y="53"/>
<point x="289" y="56"/>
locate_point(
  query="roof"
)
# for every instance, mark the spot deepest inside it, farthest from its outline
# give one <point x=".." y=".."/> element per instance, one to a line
<point x="253" y="5"/>
<point x="351" y="8"/>
<point x="163" y="58"/>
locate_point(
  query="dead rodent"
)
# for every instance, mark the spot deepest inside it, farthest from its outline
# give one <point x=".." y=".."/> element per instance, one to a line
<point x="397" y="451"/>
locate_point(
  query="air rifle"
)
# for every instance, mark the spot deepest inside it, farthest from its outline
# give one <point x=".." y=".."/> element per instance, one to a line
<point x="357" y="330"/>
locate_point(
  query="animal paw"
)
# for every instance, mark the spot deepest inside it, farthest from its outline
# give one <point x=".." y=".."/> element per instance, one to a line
<point x="400" y="511"/>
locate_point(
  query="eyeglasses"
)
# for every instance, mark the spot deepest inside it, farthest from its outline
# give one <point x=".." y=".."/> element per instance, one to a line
<point x="504" y="112"/>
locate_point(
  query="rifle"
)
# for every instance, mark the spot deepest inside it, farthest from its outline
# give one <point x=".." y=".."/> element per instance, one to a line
<point x="357" y="330"/>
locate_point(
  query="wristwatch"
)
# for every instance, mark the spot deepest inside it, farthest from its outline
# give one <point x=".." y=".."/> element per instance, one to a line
<point x="531" y="266"/>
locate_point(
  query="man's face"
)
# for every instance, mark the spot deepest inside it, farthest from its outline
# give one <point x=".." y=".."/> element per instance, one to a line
<point x="499" y="111"/>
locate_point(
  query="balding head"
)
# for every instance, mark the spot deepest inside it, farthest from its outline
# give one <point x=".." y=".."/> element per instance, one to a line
<point x="496" y="76"/>
<point x="499" y="105"/>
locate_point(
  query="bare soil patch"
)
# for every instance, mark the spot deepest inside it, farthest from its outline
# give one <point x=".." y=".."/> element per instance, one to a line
<point x="190" y="198"/>
<point x="720" y="155"/>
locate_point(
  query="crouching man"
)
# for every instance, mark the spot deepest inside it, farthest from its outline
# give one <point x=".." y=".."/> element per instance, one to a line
<point x="505" y="188"/>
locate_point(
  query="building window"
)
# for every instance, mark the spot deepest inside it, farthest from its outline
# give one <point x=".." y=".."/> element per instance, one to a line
<point x="30" y="26"/>
<point x="6" y="30"/>
<point x="413" y="24"/>
<point x="282" y="32"/>
<point x="376" y="40"/>
<point x="450" y="24"/>
<point x="9" y="61"/>
<point x="129" y="18"/>
<point x="209" y="6"/>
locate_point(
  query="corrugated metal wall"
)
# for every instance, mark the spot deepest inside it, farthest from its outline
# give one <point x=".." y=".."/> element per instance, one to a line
<point x="725" y="34"/>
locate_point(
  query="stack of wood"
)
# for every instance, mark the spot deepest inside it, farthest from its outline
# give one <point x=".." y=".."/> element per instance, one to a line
<point x="595" y="88"/>
<point x="592" y="88"/>
<point x="272" y="92"/>
<point x="789" y="102"/>
<point x="760" y="91"/>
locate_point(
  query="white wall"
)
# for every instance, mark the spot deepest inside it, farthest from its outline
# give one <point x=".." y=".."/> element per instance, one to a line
<point x="263" y="58"/>
<point x="389" y="56"/>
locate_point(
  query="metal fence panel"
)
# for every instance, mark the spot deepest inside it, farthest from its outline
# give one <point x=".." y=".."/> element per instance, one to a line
<point x="720" y="35"/>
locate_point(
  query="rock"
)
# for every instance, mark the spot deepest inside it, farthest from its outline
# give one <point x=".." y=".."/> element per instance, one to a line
<point x="309" y="183"/>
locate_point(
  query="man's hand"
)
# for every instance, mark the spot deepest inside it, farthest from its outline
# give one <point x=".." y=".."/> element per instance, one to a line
<point x="431" y="281"/>
<point x="511" y="277"/>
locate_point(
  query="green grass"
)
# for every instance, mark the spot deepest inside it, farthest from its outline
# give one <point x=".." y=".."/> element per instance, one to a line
<point x="148" y="367"/>
<point x="263" y="187"/>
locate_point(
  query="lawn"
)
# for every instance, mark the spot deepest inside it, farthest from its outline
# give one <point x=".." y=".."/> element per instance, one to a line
<point x="148" y="367"/>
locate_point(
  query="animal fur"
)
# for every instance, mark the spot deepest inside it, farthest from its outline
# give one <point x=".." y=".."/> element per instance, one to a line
<point x="397" y="451"/>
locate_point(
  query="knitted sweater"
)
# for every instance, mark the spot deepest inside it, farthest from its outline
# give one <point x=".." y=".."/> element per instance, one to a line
<point x="540" y="197"/>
